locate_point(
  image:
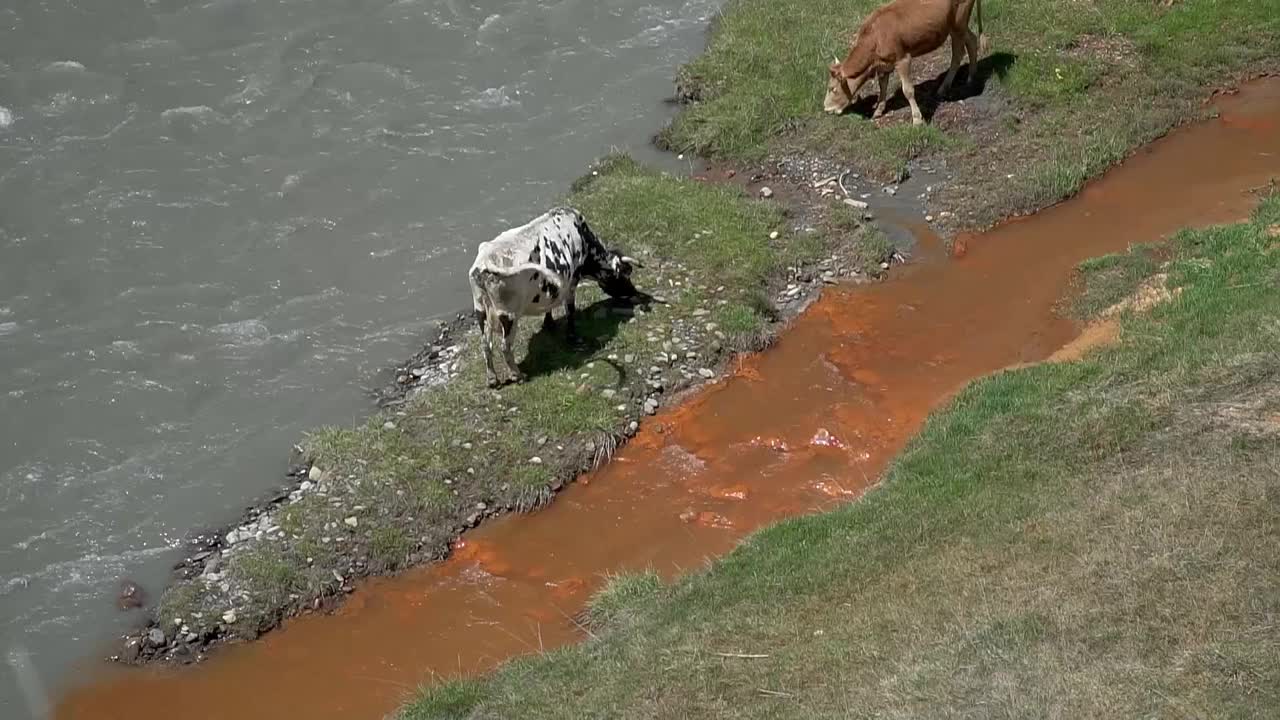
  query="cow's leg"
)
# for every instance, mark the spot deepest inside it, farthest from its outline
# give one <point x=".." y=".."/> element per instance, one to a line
<point x="508" y="325"/>
<point x="958" y="44"/>
<point x="904" y="74"/>
<point x="548" y="322"/>
<point x="971" y="45"/>
<point x="884" y="95"/>
<point x="485" y="337"/>
<point x="571" y="312"/>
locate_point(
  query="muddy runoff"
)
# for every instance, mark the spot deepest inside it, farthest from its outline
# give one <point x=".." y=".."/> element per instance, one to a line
<point x="809" y="423"/>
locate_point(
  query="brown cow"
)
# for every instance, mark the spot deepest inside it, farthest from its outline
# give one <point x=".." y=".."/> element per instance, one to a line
<point x="894" y="34"/>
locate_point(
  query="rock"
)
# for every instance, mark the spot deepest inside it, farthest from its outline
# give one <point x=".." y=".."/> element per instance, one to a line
<point x="766" y="192"/>
<point x="314" y="474"/>
<point x="928" y="218"/>
<point x="855" y="203"/>
<point x="890" y="190"/>
<point x="628" y="359"/>
<point x="535" y="460"/>
<point x="632" y="427"/>
<point x="214" y="564"/>
<point x="650" y="406"/>
<point x="700" y="312"/>
<point x="155" y="637"/>
<point x="352" y="521"/>
<point x="229" y="617"/>
<point x="884" y="266"/>
<point x="608" y="392"/>
<point x="773" y="235"/>
<point x="388" y="425"/>
<point x="419" y="372"/>
<point x="131" y="651"/>
<point x="706" y="373"/>
<point x="130" y="596"/>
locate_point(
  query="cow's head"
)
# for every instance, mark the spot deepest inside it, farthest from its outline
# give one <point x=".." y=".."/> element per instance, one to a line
<point x="614" y="275"/>
<point x="839" y="97"/>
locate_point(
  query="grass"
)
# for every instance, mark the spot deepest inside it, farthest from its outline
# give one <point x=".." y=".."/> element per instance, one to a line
<point x="1107" y="280"/>
<point x="397" y="489"/>
<point x="1090" y="539"/>
<point x="1069" y="88"/>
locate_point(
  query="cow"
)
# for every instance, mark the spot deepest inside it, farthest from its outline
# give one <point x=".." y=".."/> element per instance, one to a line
<point x="894" y="34"/>
<point x="534" y="269"/>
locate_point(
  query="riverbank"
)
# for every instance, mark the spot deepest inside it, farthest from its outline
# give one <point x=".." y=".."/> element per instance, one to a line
<point x="397" y="491"/>
<point x="1094" y="537"/>
<point x="446" y="452"/>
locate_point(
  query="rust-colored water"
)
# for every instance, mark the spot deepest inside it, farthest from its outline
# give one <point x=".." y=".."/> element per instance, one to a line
<point x="810" y="422"/>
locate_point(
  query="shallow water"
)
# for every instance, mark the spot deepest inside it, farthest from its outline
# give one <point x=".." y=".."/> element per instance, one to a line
<point x="218" y="219"/>
<point x="811" y="422"/>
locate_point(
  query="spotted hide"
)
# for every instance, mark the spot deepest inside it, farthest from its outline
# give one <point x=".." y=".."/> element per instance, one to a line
<point x="535" y="268"/>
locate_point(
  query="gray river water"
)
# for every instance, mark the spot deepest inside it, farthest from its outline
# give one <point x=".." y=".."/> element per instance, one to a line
<point x="219" y="219"/>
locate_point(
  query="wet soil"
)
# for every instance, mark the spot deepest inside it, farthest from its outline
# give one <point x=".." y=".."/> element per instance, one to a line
<point x="810" y="422"/>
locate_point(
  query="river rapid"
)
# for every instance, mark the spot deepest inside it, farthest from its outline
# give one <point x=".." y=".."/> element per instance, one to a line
<point x="219" y="219"/>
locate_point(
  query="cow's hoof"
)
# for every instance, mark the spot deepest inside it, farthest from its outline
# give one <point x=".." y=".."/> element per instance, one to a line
<point x="917" y="121"/>
<point x="494" y="384"/>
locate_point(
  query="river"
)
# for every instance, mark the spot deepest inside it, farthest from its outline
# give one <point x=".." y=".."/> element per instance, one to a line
<point x="219" y="219"/>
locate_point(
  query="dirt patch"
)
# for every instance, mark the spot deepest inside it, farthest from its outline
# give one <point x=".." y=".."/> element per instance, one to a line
<point x="1105" y="330"/>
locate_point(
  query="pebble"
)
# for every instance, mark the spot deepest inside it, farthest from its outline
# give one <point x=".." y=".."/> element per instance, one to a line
<point x="388" y="425"/>
<point x="608" y="392"/>
<point x="535" y="460"/>
<point x="305" y="486"/>
<point x="706" y="373"/>
<point x="229" y="617"/>
<point x="156" y="637"/>
<point x="628" y="359"/>
<point x="766" y="192"/>
<point x="928" y="218"/>
<point x="855" y="203"/>
<point x="773" y="235"/>
<point x="633" y="426"/>
<point x="650" y="406"/>
<point x="314" y="474"/>
<point x="352" y="521"/>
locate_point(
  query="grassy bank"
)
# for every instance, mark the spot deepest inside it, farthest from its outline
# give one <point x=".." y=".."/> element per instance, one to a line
<point x="1093" y="539"/>
<point x="398" y="489"/>
<point x="1067" y="89"/>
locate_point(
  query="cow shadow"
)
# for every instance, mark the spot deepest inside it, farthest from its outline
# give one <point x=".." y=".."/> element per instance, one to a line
<point x="995" y="65"/>
<point x="550" y="350"/>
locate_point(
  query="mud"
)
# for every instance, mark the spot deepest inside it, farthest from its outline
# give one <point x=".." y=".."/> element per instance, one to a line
<point x="811" y="422"/>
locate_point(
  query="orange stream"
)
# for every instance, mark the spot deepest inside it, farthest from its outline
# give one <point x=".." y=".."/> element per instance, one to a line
<point x="810" y="422"/>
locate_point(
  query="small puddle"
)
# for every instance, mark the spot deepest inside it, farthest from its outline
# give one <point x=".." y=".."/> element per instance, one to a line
<point x="809" y="423"/>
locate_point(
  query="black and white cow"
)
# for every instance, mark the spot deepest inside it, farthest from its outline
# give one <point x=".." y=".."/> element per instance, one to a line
<point x="535" y="268"/>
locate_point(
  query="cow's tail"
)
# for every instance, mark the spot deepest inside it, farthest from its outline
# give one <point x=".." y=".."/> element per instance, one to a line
<point x="984" y="43"/>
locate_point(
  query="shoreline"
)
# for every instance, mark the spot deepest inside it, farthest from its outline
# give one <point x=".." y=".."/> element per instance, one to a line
<point x="439" y="363"/>
<point x="183" y="628"/>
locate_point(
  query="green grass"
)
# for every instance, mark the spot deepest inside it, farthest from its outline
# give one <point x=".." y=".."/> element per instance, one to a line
<point x="1077" y="86"/>
<point x="1090" y="539"/>
<point x="398" y="488"/>
<point x="1106" y="280"/>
